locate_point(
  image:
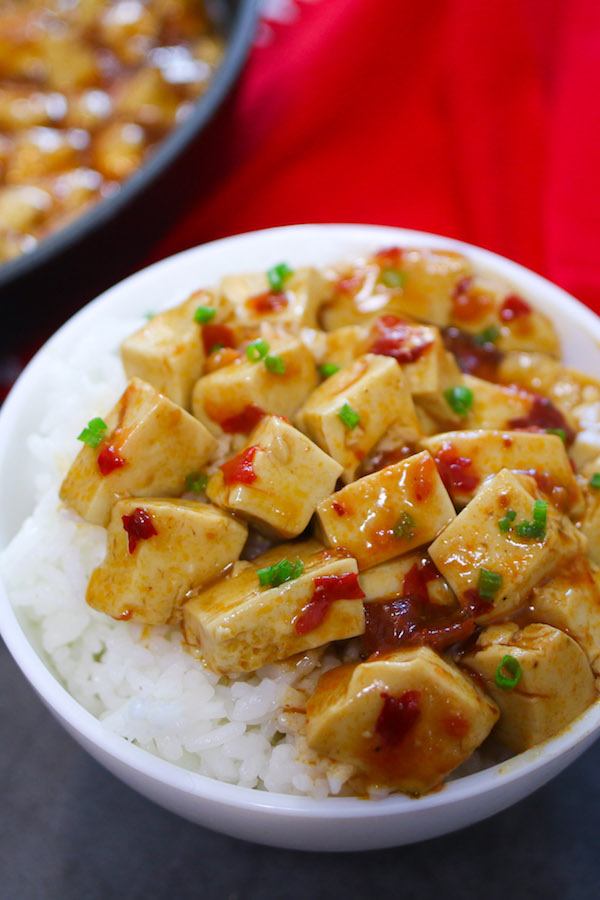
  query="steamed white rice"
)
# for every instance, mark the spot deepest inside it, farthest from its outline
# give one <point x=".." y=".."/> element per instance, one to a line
<point x="140" y="681"/>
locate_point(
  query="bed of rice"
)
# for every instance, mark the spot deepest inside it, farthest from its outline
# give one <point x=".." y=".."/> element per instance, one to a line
<point x="140" y="681"/>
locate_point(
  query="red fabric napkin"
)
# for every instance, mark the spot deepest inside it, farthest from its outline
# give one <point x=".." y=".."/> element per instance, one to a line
<point x="475" y="120"/>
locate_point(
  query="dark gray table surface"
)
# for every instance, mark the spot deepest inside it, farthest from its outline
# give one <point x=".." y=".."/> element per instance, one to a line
<point x="71" y="831"/>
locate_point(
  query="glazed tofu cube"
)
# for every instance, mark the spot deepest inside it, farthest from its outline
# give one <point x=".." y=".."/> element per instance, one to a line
<point x="567" y="388"/>
<point x="405" y="720"/>
<point x="167" y="352"/>
<point x="350" y="411"/>
<point x="415" y="283"/>
<point x="149" y="447"/>
<point x="342" y="346"/>
<point x="466" y="458"/>
<point x="240" y="626"/>
<point x="570" y="600"/>
<point x="388" y="513"/>
<point x="496" y="406"/>
<point x="555" y="685"/>
<point x="475" y="541"/>
<point x="405" y="576"/>
<point x="255" y="301"/>
<point x="142" y="579"/>
<point x="233" y="399"/>
<point x="290" y="476"/>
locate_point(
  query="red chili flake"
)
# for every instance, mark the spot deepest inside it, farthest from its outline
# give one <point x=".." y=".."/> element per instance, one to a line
<point x="389" y="257"/>
<point x="391" y="337"/>
<point x="244" y="421"/>
<point x="417" y="578"/>
<point x="453" y="469"/>
<point x="139" y="527"/>
<point x="213" y="335"/>
<point x="239" y="469"/>
<point x="327" y="589"/>
<point x="338" y="508"/>
<point x="269" y="302"/>
<point x="543" y="414"/>
<point x="349" y="284"/>
<point x="108" y="460"/>
<point x="514" y="307"/>
<point x="397" y="717"/>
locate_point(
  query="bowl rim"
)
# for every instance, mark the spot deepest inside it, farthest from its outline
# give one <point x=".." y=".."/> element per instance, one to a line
<point x="574" y="738"/>
<point x="239" y="38"/>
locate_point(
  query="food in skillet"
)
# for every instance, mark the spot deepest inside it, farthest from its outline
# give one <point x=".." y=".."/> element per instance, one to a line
<point x="87" y="89"/>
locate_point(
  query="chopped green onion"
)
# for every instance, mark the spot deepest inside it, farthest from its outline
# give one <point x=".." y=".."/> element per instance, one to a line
<point x="559" y="431"/>
<point x="489" y="335"/>
<point x="217" y="347"/>
<point x="328" y="369"/>
<point x="511" y="665"/>
<point x="275" y="364"/>
<point x="196" y="482"/>
<point x="537" y="528"/>
<point x="489" y="584"/>
<point x="505" y="524"/>
<point x="204" y="314"/>
<point x="257" y="350"/>
<point x="284" y="570"/>
<point x="278" y="275"/>
<point x="405" y="527"/>
<point x="459" y="398"/>
<point x="540" y="512"/>
<point x="150" y="315"/>
<point x="349" y="416"/>
<point x="392" y="278"/>
<point x="94" y="433"/>
<point x="595" y="481"/>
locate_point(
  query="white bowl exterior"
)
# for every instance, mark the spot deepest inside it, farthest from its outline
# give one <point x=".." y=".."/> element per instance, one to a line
<point x="276" y="819"/>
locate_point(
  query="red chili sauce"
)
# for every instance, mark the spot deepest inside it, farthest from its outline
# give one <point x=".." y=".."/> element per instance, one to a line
<point x="215" y="335"/>
<point x="244" y="421"/>
<point x="108" y="460"/>
<point x="468" y="305"/>
<point x="543" y="414"/>
<point x="139" y="527"/>
<point x="514" y="307"/>
<point x="389" y="257"/>
<point x="454" y="469"/>
<point x="472" y="356"/>
<point x="240" y="468"/>
<point x="394" y="337"/>
<point x="269" y="302"/>
<point x="398" y="715"/>
<point x="327" y="589"/>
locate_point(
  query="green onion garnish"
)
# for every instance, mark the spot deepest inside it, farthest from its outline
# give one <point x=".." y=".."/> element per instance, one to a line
<point x="349" y="416"/>
<point x="196" y="482"/>
<point x="489" y="335"/>
<point x="204" y="314"/>
<point x="537" y="528"/>
<point x="328" y="369"/>
<point x="511" y="665"/>
<point x="257" y="350"/>
<point x="489" y="584"/>
<point x="559" y="431"/>
<point x="392" y="278"/>
<point x="540" y="512"/>
<point x="217" y="347"/>
<point x="94" y="433"/>
<point x="505" y="524"/>
<point x="595" y="481"/>
<point x="459" y="398"/>
<point x="404" y="529"/>
<point x="278" y="275"/>
<point x="284" y="570"/>
<point x="275" y="364"/>
<point x="150" y="315"/>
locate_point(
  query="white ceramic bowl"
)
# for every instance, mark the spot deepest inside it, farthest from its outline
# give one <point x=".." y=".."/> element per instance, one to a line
<point x="280" y="820"/>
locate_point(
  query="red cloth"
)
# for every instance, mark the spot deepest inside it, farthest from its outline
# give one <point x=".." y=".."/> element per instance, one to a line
<point x="475" y="120"/>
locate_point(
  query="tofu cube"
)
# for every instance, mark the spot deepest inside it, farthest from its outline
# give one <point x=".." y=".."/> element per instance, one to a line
<point x="255" y="301"/>
<point x="570" y="600"/>
<point x="405" y="720"/>
<point x="388" y="513"/>
<point x="342" y="346"/>
<point x="167" y="352"/>
<point x="567" y="388"/>
<point x="150" y="446"/>
<point x="225" y="400"/>
<point x="393" y="579"/>
<point x="241" y="626"/>
<point x="466" y="458"/>
<point x="495" y="406"/>
<point x="590" y="522"/>
<point x="474" y="541"/>
<point x="291" y="476"/>
<point x="373" y="388"/>
<point x="555" y="685"/>
<point x="142" y="579"/>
